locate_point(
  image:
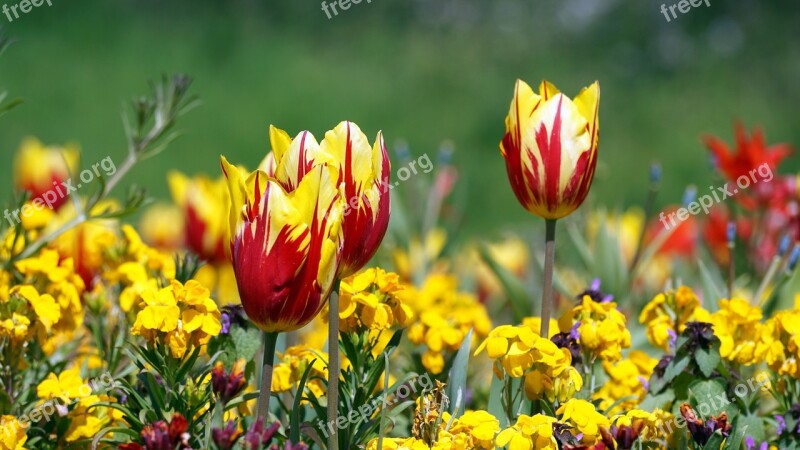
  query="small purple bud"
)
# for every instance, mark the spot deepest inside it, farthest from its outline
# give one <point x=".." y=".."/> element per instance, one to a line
<point x="750" y="442"/>
<point x="573" y="333"/>
<point x="226" y="323"/>
<point x="781" y="425"/>
<point x="673" y="338"/>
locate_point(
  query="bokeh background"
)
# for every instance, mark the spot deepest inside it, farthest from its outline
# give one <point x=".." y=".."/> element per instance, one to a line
<point x="423" y="71"/>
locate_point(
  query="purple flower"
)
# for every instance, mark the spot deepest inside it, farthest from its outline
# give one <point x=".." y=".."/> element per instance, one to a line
<point x="573" y="333"/>
<point x="673" y="338"/>
<point x="749" y="442"/>
<point x="781" y="425"/>
<point x="226" y="323"/>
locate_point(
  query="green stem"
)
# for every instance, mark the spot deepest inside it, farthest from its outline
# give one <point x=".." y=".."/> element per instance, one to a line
<point x="266" y="375"/>
<point x="549" y="261"/>
<point x="333" y="366"/>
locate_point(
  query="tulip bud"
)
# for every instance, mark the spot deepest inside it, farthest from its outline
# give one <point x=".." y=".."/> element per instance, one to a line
<point x="550" y="147"/>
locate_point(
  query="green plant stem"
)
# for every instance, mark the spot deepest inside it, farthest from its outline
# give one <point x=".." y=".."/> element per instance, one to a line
<point x="268" y="365"/>
<point x="333" y="366"/>
<point x="549" y="261"/>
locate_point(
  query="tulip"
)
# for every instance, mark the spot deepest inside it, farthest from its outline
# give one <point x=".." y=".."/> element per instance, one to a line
<point x="285" y="244"/>
<point x="362" y="175"/>
<point x="40" y="170"/>
<point x="550" y="149"/>
<point x="205" y="205"/>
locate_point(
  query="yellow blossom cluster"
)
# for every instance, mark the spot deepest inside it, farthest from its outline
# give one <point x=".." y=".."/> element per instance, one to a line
<point x="12" y="434"/>
<point x="138" y="268"/>
<point x="180" y="316"/>
<point x="373" y="300"/>
<point x="442" y="318"/>
<point x="627" y="382"/>
<point x="475" y="430"/>
<point x="738" y="327"/>
<point x="601" y="328"/>
<point x="41" y="299"/>
<point x="779" y="345"/>
<point x="530" y="432"/>
<point x="520" y="352"/>
<point x="70" y="391"/>
<point x="291" y="366"/>
<point x="667" y="313"/>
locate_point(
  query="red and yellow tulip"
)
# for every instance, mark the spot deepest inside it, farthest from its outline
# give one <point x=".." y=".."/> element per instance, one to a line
<point x="286" y="237"/>
<point x="550" y="147"/>
<point x="362" y="174"/>
<point x="205" y="204"/>
<point x="39" y="169"/>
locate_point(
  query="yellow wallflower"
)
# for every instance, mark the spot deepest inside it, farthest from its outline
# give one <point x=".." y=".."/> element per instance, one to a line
<point x="584" y="419"/>
<point x="12" y="434"/>
<point x="529" y="433"/>
<point x="667" y="313"/>
<point x="476" y="429"/>
<point x="66" y="386"/>
<point x="442" y="318"/>
<point x="178" y="315"/>
<point x="519" y="351"/>
<point x="293" y="363"/>
<point x="373" y="299"/>
<point x="738" y="327"/>
<point x="779" y="345"/>
<point x="627" y="378"/>
<point x="601" y="327"/>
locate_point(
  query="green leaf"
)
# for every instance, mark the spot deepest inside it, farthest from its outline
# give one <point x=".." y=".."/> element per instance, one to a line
<point x="675" y="367"/>
<point x="652" y="402"/>
<point x="751" y="425"/>
<point x="457" y="386"/>
<point x="294" y="428"/>
<point x="707" y="359"/>
<point x="711" y="399"/>
<point x="710" y="288"/>
<point x="496" y="401"/>
<point x="714" y="442"/>
<point x="246" y="341"/>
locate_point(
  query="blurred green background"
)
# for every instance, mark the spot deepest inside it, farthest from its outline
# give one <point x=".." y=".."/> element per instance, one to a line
<point x="423" y="71"/>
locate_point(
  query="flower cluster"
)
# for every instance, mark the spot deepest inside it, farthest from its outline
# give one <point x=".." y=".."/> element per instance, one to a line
<point x="600" y="326"/>
<point x="373" y="300"/>
<point x="520" y="352"/>
<point x="443" y="316"/>
<point x="180" y="316"/>
<point x="291" y="366"/>
<point x="667" y="314"/>
<point x="737" y="324"/>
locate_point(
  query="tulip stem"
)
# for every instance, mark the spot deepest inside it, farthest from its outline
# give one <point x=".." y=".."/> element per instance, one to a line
<point x="268" y="364"/>
<point x="333" y="366"/>
<point x="549" y="260"/>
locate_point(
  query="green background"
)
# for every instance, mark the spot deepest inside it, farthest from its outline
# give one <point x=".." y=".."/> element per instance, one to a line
<point x="422" y="71"/>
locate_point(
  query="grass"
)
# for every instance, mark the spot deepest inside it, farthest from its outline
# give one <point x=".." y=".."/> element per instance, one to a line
<point x="387" y="67"/>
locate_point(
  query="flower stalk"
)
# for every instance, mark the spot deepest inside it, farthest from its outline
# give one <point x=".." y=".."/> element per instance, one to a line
<point x="333" y="365"/>
<point x="267" y="366"/>
<point x="549" y="261"/>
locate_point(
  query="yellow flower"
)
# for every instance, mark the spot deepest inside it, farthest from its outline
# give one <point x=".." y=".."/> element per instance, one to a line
<point x="585" y="419"/>
<point x="293" y="363"/>
<point x="180" y="315"/>
<point x="477" y="427"/>
<point x="12" y="434"/>
<point x="65" y="386"/>
<point x="667" y="313"/>
<point x="602" y="328"/>
<point x="161" y="226"/>
<point x="205" y="204"/>
<point x="738" y="327"/>
<point x="373" y="299"/>
<point x="627" y="380"/>
<point x="442" y="318"/>
<point x="529" y="433"/>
